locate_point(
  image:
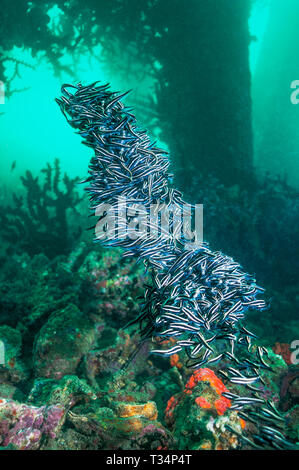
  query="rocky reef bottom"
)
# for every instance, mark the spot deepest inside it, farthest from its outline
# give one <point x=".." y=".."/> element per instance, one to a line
<point x="70" y="378"/>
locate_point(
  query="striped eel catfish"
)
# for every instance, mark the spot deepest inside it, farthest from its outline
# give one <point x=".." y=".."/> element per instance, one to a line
<point x="197" y="297"/>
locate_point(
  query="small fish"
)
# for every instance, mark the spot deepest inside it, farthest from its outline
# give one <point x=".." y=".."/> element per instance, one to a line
<point x="247" y="417"/>
<point x="243" y="438"/>
<point x="167" y="352"/>
<point x="244" y="380"/>
<point x="215" y="359"/>
<point x="269" y="414"/>
<point x="248" y="400"/>
<point x="248" y="333"/>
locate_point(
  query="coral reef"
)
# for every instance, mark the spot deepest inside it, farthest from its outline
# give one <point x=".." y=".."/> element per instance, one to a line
<point x="72" y="380"/>
<point x="65" y="362"/>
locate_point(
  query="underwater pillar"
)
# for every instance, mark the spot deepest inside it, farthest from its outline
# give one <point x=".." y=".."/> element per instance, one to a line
<point x="204" y="89"/>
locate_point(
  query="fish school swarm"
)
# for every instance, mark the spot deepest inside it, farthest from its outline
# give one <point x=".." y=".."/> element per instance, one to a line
<point x="198" y="297"/>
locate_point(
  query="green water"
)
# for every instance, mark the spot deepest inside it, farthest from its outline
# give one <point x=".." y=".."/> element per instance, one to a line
<point x="33" y="131"/>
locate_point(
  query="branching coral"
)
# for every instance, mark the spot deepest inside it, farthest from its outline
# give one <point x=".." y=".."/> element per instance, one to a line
<point x="17" y="65"/>
<point x="197" y="296"/>
<point x="38" y="222"/>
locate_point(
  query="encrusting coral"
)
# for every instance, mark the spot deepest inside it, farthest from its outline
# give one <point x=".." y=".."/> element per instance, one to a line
<point x="206" y="414"/>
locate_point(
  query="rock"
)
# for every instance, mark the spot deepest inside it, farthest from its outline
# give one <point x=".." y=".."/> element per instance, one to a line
<point x="68" y="440"/>
<point x="112" y="352"/>
<point x="69" y="391"/>
<point x="198" y="416"/>
<point x="11" y="392"/>
<point x="127" y="426"/>
<point x="12" y="369"/>
<point x="62" y="342"/>
<point x="292" y="419"/>
<point x="289" y="388"/>
<point x="25" y="426"/>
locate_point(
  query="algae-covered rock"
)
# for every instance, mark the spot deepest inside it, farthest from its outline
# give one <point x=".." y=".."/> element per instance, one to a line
<point x="69" y="439"/>
<point x="62" y="342"/>
<point x="12" y="340"/>
<point x="289" y="388"/>
<point x="11" y="367"/>
<point x="109" y="355"/>
<point x="292" y="419"/>
<point x="271" y="388"/>
<point x="68" y="391"/>
<point x="126" y="426"/>
<point x="11" y="392"/>
<point x="120" y="415"/>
